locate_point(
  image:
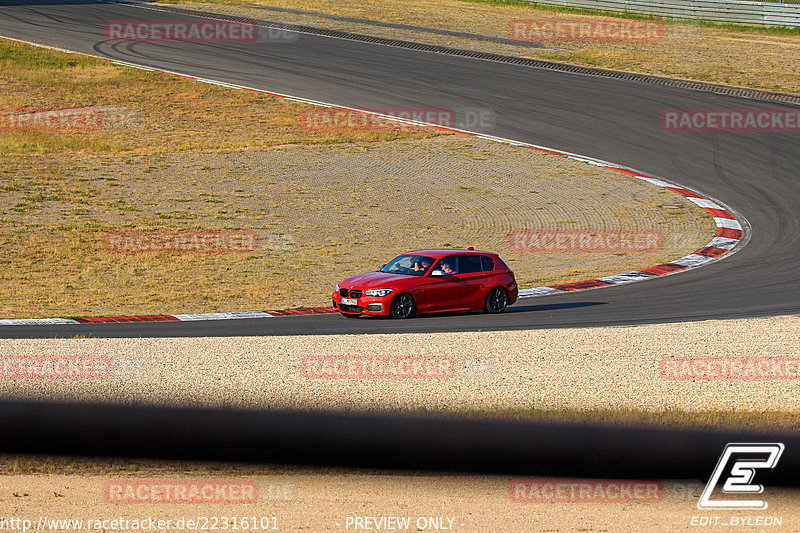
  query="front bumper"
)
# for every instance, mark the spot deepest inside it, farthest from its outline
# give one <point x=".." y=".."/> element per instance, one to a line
<point x="366" y="305"/>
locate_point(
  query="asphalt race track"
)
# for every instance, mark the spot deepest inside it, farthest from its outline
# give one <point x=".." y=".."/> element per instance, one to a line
<point x="755" y="173"/>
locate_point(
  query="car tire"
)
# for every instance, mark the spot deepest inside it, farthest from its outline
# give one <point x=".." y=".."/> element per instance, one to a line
<point x="350" y="315"/>
<point x="496" y="301"/>
<point x="403" y="306"/>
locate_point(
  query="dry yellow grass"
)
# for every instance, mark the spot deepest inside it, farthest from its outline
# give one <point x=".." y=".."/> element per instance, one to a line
<point x="320" y="213"/>
<point x="149" y="112"/>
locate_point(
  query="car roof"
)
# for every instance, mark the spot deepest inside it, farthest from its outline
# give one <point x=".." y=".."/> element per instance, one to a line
<point x="438" y="254"/>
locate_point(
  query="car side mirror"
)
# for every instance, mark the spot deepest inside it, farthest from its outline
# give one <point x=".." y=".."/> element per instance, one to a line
<point x="437" y="273"/>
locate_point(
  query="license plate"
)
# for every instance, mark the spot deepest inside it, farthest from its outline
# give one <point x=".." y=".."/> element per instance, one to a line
<point x="349" y="301"/>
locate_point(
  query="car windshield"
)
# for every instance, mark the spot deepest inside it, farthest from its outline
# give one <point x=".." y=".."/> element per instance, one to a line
<point x="409" y="264"/>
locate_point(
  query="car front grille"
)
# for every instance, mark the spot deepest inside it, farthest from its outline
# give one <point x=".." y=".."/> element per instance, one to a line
<point x="353" y="293"/>
<point x="351" y="309"/>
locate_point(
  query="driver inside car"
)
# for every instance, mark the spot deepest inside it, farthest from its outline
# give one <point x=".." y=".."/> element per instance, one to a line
<point x="420" y="266"/>
<point x="446" y="268"/>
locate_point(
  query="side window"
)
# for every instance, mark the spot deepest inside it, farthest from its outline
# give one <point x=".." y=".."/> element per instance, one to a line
<point x="451" y="262"/>
<point x="470" y="263"/>
<point x="487" y="264"/>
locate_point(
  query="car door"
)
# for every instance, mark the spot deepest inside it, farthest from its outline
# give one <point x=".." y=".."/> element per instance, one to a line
<point x="475" y="271"/>
<point x="442" y="292"/>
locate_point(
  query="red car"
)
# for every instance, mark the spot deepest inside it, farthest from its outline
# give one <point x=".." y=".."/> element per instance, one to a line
<point x="429" y="281"/>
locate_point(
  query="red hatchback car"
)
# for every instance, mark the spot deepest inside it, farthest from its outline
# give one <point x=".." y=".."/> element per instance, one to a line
<point x="429" y="281"/>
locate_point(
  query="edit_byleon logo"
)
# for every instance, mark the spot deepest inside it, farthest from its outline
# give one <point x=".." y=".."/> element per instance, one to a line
<point x="740" y="462"/>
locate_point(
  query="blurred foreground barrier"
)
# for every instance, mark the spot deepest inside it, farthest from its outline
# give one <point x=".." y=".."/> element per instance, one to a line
<point x="442" y="444"/>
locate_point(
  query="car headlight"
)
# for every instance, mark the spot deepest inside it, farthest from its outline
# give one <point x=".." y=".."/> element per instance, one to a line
<point x="378" y="292"/>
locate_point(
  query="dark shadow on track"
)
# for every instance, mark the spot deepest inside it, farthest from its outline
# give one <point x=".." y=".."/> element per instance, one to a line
<point x="516" y="308"/>
<point x="528" y="307"/>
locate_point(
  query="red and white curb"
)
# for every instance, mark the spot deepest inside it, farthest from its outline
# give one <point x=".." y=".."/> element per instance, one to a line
<point x="730" y="231"/>
<point x="188" y="317"/>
